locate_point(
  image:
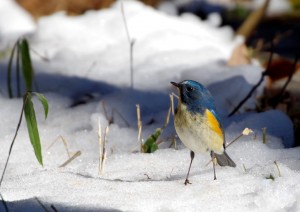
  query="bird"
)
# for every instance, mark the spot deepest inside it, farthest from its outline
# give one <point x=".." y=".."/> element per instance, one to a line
<point x="198" y="124"/>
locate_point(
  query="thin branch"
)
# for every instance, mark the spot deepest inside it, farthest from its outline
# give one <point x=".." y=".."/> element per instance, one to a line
<point x="13" y="141"/>
<point x="10" y="150"/>
<point x="263" y="74"/>
<point x="248" y="95"/>
<point x="41" y="204"/>
<point x="131" y="44"/>
<point x="125" y="22"/>
<point x="4" y="203"/>
<point x="54" y="208"/>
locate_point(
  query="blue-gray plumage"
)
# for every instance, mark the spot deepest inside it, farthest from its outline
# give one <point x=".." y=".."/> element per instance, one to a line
<point x="197" y="123"/>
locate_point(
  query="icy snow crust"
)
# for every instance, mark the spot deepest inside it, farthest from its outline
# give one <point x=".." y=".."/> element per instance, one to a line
<point x="89" y="55"/>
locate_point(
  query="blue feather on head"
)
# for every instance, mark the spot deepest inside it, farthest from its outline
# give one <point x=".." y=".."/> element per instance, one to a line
<point x="195" y="96"/>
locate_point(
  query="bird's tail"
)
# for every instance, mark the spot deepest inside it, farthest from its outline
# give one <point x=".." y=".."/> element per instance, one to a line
<point x="225" y="160"/>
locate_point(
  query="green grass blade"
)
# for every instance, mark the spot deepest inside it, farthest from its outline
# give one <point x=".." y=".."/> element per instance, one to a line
<point x="44" y="102"/>
<point x="26" y="64"/>
<point x="32" y="127"/>
<point x="18" y="73"/>
<point x="8" y="79"/>
<point x="150" y="145"/>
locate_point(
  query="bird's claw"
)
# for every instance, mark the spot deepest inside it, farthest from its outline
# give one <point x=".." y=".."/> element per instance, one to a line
<point x="187" y="182"/>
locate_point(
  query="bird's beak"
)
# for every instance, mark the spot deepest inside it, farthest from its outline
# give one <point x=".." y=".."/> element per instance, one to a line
<point x="175" y="84"/>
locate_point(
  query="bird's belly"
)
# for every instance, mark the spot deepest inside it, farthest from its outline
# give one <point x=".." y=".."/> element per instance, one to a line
<point x="196" y="134"/>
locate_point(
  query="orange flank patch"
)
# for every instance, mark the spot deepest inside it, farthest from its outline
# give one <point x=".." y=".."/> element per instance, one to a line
<point x="213" y="123"/>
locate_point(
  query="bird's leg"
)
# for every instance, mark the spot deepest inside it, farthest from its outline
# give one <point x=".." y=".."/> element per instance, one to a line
<point x="213" y="157"/>
<point x="187" y="176"/>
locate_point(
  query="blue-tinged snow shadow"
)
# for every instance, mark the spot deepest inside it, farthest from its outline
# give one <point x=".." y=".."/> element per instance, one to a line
<point x="228" y="93"/>
<point x="83" y="91"/>
<point x="37" y="205"/>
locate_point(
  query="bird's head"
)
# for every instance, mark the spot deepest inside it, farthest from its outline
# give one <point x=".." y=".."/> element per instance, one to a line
<point x="194" y="95"/>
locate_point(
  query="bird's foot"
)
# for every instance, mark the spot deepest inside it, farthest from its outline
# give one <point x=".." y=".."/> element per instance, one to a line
<point x="187" y="181"/>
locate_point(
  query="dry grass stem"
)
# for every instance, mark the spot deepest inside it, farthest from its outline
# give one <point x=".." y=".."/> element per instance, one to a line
<point x="103" y="158"/>
<point x="173" y="94"/>
<point x="100" y="146"/>
<point x="65" y="142"/>
<point x="167" y="118"/>
<point x="246" y="131"/>
<point x="139" y="124"/>
<point x="264" y="131"/>
<point x="173" y="143"/>
<point x="78" y="153"/>
<point x="172" y="104"/>
<point x="109" y="119"/>
<point x="279" y="173"/>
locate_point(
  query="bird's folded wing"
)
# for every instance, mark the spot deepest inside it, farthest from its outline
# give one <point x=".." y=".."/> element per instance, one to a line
<point x="213" y="123"/>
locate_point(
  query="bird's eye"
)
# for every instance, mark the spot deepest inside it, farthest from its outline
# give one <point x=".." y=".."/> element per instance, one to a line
<point x="189" y="89"/>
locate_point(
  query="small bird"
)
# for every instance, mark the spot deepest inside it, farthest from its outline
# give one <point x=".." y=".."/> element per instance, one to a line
<point x="198" y="124"/>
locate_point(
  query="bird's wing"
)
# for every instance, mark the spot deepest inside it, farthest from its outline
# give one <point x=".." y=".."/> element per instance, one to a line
<point x="214" y="122"/>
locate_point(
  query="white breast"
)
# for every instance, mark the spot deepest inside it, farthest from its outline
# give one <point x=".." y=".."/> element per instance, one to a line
<point x="195" y="133"/>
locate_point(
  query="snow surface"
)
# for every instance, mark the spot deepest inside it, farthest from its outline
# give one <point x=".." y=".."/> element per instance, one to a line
<point x="13" y="21"/>
<point x="89" y="54"/>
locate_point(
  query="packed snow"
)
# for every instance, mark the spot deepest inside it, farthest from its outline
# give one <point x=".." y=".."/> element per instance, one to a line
<point x="87" y="57"/>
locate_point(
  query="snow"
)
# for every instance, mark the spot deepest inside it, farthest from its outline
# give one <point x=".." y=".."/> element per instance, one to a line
<point x="89" y="54"/>
<point x="20" y="22"/>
